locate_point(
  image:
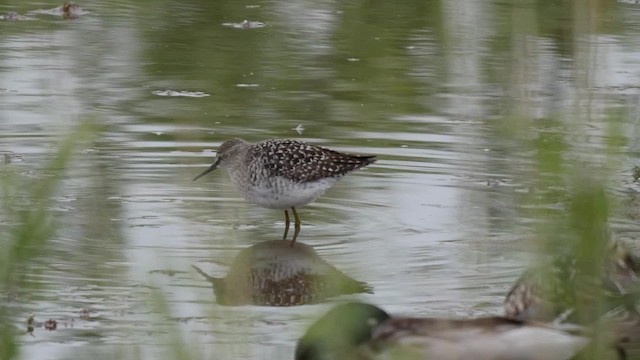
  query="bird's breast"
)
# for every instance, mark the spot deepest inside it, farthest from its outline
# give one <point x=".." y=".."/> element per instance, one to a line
<point x="282" y="194"/>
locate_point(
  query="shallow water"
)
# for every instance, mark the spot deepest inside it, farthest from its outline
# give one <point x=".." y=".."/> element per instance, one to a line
<point x="437" y="226"/>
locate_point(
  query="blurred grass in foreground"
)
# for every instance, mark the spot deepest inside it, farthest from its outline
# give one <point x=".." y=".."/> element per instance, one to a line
<point x="575" y="162"/>
<point x="26" y="207"/>
<point x="31" y="225"/>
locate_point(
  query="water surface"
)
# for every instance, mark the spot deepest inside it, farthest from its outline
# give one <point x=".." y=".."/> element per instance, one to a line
<point x="437" y="90"/>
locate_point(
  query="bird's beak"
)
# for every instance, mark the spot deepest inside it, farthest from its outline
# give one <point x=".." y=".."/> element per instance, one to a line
<point x="210" y="169"/>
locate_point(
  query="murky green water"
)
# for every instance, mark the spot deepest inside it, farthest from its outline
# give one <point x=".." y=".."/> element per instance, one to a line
<point x="437" y="90"/>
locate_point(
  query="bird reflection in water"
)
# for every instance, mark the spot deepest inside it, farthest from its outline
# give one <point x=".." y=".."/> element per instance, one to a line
<point x="272" y="273"/>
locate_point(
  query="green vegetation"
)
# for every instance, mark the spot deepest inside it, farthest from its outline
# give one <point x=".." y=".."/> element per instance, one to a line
<point x="26" y="207"/>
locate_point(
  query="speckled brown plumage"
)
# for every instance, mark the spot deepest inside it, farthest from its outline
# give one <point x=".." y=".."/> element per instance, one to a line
<point x="302" y="162"/>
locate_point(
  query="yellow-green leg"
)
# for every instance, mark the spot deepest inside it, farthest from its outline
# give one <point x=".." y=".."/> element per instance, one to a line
<point x="286" y="225"/>
<point x="296" y="226"/>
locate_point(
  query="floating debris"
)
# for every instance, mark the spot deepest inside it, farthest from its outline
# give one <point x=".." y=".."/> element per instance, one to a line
<point x="84" y="314"/>
<point x="495" y="182"/>
<point x="11" y="157"/>
<point x="50" y="325"/>
<point x="71" y="10"/>
<point x="68" y="11"/>
<point x="246" y="24"/>
<point x="187" y="319"/>
<point x="247" y="85"/>
<point x="10" y="16"/>
<point x="166" y="272"/>
<point x="299" y="129"/>
<point x="14" y="16"/>
<point x="636" y="173"/>
<point x="353" y="59"/>
<point x="30" y="325"/>
<point x="90" y="150"/>
<point x="196" y="94"/>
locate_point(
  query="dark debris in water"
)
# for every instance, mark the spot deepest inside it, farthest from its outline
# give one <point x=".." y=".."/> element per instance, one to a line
<point x="10" y="16"/>
<point x="14" y="16"/>
<point x="68" y="11"/>
<point x="187" y="319"/>
<point x="50" y="325"/>
<point x="84" y="314"/>
<point x="495" y="182"/>
<point x="167" y="272"/>
<point x="30" y="325"/>
<point x="11" y="157"/>
<point x="635" y="172"/>
<point x="71" y="10"/>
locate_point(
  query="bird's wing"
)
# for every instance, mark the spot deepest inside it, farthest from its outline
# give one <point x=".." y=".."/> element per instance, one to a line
<point x="302" y="162"/>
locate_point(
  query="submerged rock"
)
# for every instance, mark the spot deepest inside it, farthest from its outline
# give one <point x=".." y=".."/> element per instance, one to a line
<point x="273" y="273"/>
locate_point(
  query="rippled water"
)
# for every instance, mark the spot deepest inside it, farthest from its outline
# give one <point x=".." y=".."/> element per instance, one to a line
<point x="435" y="89"/>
